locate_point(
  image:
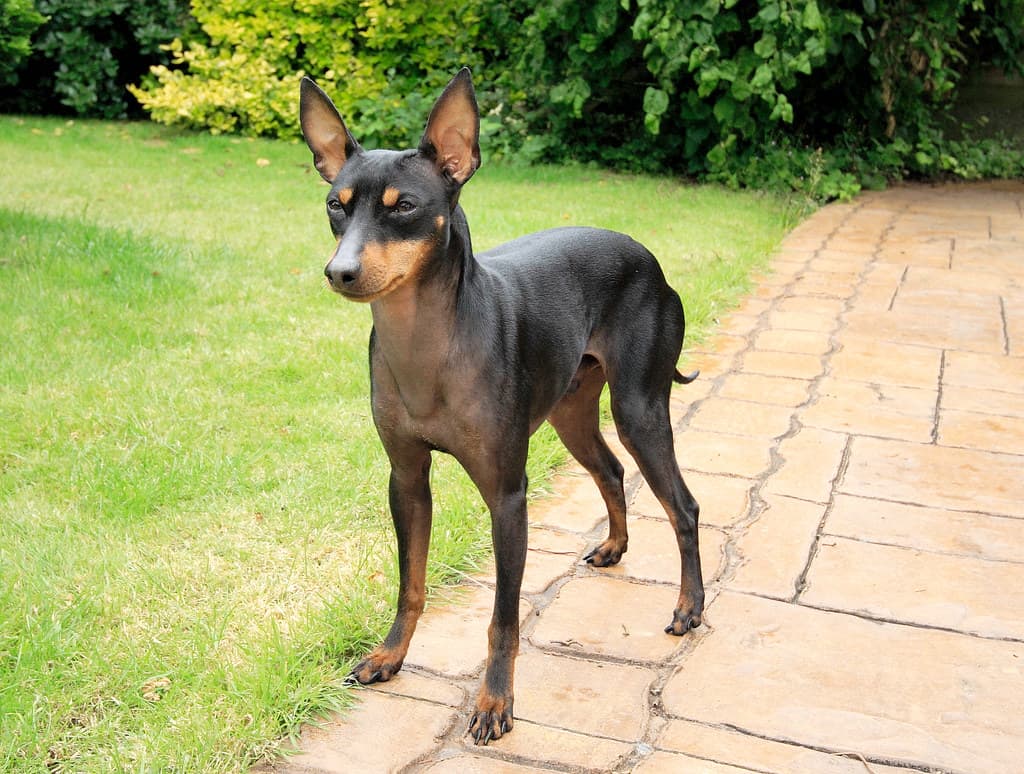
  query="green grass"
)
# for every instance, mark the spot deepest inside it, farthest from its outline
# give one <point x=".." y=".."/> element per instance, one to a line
<point x="194" y="542"/>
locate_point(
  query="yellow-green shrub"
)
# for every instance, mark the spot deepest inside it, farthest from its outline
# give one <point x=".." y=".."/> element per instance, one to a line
<point x="367" y="54"/>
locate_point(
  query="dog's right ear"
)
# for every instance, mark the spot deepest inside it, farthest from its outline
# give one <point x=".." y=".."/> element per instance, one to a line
<point x="324" y="131"/>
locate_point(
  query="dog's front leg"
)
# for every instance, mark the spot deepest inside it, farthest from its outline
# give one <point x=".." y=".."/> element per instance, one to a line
<point x="492" y="715"/>
<point x="411" y="510"/>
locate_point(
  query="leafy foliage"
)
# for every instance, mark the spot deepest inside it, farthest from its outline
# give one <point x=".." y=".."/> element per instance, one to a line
<point x="382" y="61"/>
<point x="807" y="94"/>
<point x="88" y="51"/>
<point x="18" y="20"/>
<point x="821" y="96"/>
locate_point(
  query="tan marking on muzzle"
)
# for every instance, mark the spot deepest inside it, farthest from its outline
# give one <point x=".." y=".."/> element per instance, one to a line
<point x="386" y="265"/>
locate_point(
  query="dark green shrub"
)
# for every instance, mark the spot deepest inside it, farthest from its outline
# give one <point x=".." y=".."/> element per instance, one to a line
<point x="89" y="51"/>
<point x="18" y="20"/>
<point x="822" y="96"/>
<point x="805" y="93"/>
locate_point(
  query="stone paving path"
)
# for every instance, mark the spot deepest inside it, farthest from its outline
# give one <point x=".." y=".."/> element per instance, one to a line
<point x="856" y="443"/>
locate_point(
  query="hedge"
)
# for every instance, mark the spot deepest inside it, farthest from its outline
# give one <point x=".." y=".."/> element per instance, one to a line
<point x="823" y="96"/>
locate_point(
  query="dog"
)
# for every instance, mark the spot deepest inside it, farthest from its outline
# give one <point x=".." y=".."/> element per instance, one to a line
<point x="469" y="354"/>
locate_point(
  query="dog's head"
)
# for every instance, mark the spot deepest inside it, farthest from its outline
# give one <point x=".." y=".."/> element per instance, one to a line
<point x="391" y="210"/>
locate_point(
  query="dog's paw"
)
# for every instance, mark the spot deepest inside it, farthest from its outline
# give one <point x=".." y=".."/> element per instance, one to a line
<point x="491" y="718"/>
<point x="606" y="554"/>
<point x="683" y="622"/>
<point x="378" y="667"/>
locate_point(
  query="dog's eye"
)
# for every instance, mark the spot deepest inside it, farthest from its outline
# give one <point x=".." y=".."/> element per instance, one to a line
<point x="334" y="205"/>
<point x="405" y="206"/>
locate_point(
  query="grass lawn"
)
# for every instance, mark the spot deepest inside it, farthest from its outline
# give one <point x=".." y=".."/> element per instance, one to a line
<point x="194" y="543"/>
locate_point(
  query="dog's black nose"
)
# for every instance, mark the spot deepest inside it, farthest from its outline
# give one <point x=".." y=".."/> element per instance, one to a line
<point x="342" y="274"/>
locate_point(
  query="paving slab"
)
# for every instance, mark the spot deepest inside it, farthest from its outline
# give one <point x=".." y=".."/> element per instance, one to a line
<point x="930" y="529"/>
<point x="610" y="616"/>
<point x="936" y="476"/>
<point x="811" y="460"/>
<point x="802" y="321"/>
<point x="864" y="358"/>
<point x="989" y="255"/>
<point x="725" y="746"/>
<point x="982" y="401"/>
<point x="1013" y="309"/>
<point x="774" y="551"/>
<point x="787" y="364"/>
<point x="722" y="452"/>
<point x="801" y="342"/>
<point x="974" y="430"/>
<point x="980" y="331"/>
<point x="882" y="410"/>
<point x="926" y="252"/>
<point x="386" y="734"/>
<point x="595" y="698"/>
<point x="476" y="764"/>
<point x="836" y="682"/>
<point x="777" y="390"/>
<point x="424" y="686"/>
<point x="918" y="279"/>
<point x="723" y="344"/>
<point x="743" y="417"/>
<point x="534" y="742"/>
<point x="670" y="763"/>
<point x="895" y="583"/>
<point x="990" y="372"/>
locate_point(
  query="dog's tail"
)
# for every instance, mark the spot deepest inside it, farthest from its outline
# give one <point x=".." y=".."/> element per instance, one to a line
<point x="680" y="379"/>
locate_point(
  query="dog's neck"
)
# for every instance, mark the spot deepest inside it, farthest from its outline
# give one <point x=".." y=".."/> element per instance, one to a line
<point x="415" y="324"/>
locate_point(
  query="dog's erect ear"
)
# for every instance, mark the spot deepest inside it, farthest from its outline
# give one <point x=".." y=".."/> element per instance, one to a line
<point x="453" y="130"/>
<point x="325" y="132"/>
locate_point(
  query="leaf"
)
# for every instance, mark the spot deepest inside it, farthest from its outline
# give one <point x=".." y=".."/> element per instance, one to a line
<point x="782" y="110"/>
<point x="589" y="42"/>
<point x="655" y="102"/>
<point x="725" y="109"/>
<point x="717" y="156"/>
<point x="763" y="76"/>
<point x="766" y="46"/>
<point x="769" y="13"/>
<point x="812" y="17"/>
<point x="741" y="89"/>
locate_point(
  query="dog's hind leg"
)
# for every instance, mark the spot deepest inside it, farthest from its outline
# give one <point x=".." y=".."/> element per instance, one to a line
<point x="642" y="418"/>
<point x="576" y="420"/>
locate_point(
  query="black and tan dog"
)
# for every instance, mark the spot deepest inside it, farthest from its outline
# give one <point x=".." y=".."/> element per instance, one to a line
<point x="469" y="354"/>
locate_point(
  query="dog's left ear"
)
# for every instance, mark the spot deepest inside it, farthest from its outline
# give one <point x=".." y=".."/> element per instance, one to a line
<point x="453" y="130"/>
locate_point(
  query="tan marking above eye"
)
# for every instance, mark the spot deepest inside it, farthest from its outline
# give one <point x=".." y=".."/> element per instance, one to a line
<point x="345" y="195"/>
<point x="390" y="197"/>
